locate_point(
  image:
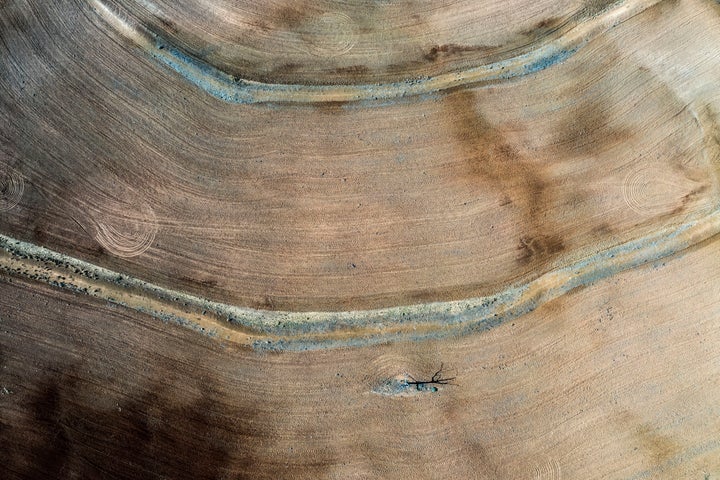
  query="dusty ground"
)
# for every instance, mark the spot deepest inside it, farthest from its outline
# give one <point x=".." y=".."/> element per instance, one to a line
<point x="528" y="189"/>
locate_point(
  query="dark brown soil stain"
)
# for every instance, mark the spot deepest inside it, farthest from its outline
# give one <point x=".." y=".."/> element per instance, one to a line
<point x="491" y="161"/>
<point x="354" y="71"/>
<point x="545" y="27"/>
<point x="540" y="246"/>
<point x="85" y="402"/>
<point x="141" y="438"/>
<point x="49" y="459"/>
<point x="13" y="18"/>
<point x="603" y="230"/>
<point x="588" y="130"/>
<point x="547" y="23"/>
<point x="289" y="17"/>
<point x="282" y="70"/>
<point x="199" y="282"/>
<point x="450" y="49"/>
<point x="687" y="200"/>
<point x="168" y="25"/>
<point x="154" y="435"/>
<point x="332" y="108"/>
<point x="660" y="448"/>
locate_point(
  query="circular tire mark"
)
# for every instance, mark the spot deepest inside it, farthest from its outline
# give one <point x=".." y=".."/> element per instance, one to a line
<point x="652" y="192"/>
<point x="126" y="233"/>
<point x="330" y="34"/>
<point x="12" y="186"/>
<point x="550" y="470"/>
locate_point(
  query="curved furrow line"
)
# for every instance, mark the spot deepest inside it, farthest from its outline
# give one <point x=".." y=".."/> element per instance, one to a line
<point x="280" y="330"/>
<point x="235" y="90"/>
